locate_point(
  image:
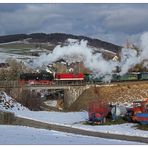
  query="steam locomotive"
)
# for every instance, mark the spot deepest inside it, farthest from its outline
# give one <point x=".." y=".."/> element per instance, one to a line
<point x="73" y="78"/>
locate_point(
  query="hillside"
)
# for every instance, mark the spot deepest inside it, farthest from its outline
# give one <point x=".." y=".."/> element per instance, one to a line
<point x="118" y="93"/>
<point x="59" y="38"/>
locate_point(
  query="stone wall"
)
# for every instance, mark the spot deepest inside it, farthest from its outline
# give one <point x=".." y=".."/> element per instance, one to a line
<point x="72" y="94"/>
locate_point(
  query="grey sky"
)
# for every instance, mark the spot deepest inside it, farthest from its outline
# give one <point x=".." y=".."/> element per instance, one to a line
<point x="115" y="23"/>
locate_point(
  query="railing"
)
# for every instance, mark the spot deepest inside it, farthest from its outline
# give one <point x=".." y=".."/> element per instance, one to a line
<point x="16" y="84"/>
<point x="7" y="84"/>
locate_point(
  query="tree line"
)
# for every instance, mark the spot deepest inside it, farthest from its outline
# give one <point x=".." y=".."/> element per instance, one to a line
<point x="55" y="38"/>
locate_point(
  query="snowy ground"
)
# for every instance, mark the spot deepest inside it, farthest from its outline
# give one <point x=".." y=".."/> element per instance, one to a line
<point x="17" y="134"/>
<point x="74" y="119"/>
<point x="4" y="56"/>
<point x="9" y="104"/>
<point x="27" y="135"/>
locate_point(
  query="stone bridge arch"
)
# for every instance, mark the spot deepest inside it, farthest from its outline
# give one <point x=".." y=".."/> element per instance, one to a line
<point x="72" y="94"/>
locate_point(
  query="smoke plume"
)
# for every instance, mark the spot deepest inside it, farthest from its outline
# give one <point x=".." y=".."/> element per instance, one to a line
<point x="77" y="51"/>
<point x="130" y="57"/>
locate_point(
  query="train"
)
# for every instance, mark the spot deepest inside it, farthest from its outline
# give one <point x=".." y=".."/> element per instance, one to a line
<point x="76" y="78"/>
<point x="131" y="76"/>
<point x="51" y="78"/>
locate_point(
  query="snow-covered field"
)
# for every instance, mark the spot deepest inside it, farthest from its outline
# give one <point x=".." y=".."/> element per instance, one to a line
<point x="74" y="119"/>
<point x="5" y="56"/>
<point x="27" y="135"/>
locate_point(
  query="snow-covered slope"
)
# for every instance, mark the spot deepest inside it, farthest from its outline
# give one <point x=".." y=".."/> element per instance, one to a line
<point x="9" y="104"/>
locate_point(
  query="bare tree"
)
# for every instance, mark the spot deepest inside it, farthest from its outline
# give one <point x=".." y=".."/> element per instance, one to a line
<point x="14" y="70"/>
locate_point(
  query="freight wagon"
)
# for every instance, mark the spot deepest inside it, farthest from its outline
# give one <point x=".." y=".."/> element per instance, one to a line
<point x="133" y="76"/>
<point x="128" y="77"/>
<point x="143" y="76"/>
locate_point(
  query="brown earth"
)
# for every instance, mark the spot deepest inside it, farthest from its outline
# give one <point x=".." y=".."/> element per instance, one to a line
<point x="114" y="93"/>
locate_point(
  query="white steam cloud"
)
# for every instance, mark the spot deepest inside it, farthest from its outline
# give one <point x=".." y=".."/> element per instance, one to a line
<point x="130" y="57"/>
<point x="79" y="51"/>
<point x="76" y="52"/>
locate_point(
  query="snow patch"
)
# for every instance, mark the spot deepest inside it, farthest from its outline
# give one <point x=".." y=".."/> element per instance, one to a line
<point x="52" y="103"/>
<point x="9" y="104"/>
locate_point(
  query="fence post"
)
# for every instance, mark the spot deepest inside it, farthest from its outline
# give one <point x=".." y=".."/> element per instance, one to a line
<point x="6" y="117"/>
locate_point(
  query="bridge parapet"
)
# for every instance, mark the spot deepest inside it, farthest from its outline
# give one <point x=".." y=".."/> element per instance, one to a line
<point x="9" y="84"/>
<point x="16" y="84"/>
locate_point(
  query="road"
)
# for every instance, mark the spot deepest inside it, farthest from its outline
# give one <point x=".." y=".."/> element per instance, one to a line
<point x="38" y="124"/>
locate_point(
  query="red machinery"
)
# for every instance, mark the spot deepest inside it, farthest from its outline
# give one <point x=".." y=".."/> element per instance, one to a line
<point x="97" y="112"/>
<point x="69" y="76"/>
<point x="140" y="111"/>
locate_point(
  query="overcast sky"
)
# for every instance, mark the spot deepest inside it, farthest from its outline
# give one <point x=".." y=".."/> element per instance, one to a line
<point x="114" y="23"/>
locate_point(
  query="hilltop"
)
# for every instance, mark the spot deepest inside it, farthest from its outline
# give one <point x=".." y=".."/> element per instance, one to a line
<point x="59" y="38"/>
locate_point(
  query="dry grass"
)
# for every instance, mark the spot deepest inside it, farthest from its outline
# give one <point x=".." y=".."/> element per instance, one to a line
<point x="126" y="92"/>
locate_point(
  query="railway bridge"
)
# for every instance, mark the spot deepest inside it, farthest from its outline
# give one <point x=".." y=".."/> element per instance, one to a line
<point x="71" y="91"/>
